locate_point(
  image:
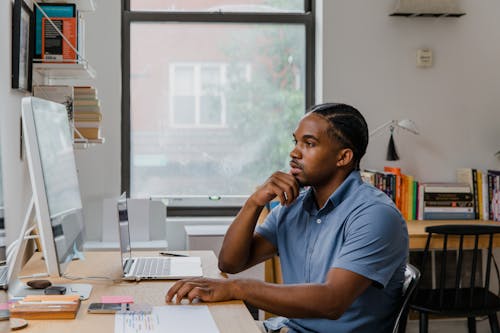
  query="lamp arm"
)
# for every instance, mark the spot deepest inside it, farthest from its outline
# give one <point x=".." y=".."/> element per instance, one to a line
<point x="381" y="127"/>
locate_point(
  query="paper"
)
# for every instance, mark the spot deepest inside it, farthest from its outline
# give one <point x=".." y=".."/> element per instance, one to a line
<point x="117" y="299"/>
<point x="169" y="318"/>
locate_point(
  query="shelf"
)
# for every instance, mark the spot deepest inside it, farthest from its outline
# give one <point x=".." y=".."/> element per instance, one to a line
<point x="82" y="5"/>
<point x="57" y="71"/>
<point x="427" y="14"/>
<point x="86" y="143"/>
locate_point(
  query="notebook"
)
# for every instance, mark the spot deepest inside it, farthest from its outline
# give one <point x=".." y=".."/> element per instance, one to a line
<point x="151" y="268"/>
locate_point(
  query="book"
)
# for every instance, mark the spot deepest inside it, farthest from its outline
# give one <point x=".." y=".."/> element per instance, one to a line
<point x="55" y="48"/>
<point x="59" y="93"/>
<point x="87" y="116"/>
<point x="86" y="102"/>
<point x="493" y="178"/>
<point x="87" y="132"/>
<point x="448" y="209"/>
<point x="398" y="185"/>
<point x="51" y="10"/>
<point x="443" y="203"/>
<point x="447" y="187"/>
<point x="469" y="176"/>
<point x="448" y="216"/>
<point x="447" y="196"/>
<point x="46" y="307"/>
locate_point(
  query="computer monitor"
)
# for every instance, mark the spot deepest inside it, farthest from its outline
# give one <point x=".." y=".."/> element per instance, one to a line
<point x="56" y="194"/>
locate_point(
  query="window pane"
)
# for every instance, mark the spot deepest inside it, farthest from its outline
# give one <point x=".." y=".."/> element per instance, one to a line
<point x="210" y="110"/>
<point x="218" y="113"/>
<point x="184" y="110"/>
<point x="260" y="6"/>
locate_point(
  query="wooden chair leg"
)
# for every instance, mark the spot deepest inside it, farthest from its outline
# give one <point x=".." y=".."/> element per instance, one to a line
<point x="494" y="323"/>
<point x="471" y="324"/>
<point x="424" y="322"/>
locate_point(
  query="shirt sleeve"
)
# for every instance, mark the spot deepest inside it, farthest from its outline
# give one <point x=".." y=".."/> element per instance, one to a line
<point x="268" y="229"/>
<point x="376" y="241"/>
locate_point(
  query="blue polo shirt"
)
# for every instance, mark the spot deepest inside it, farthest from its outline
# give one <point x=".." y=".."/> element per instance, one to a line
<point x="358" y="229"/>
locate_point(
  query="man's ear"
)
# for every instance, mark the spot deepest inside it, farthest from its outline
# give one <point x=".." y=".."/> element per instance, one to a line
<point x="345" y="156"/>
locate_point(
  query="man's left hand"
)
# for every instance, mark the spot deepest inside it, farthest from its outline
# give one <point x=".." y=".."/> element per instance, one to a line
<point x="206" y="290"/>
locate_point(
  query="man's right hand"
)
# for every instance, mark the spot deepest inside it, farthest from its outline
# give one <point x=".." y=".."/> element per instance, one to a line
<point x="281" y="185"/>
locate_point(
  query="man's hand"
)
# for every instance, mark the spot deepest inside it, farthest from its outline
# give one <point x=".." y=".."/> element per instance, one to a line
<point x="281" y="185"/>
<point x="206" y="290"/>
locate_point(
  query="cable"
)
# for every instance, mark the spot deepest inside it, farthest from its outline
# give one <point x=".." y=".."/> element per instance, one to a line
<point x="95" y="278"/>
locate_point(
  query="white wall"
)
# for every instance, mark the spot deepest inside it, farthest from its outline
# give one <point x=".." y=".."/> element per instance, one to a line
<point x="100" y="166"/>
<point x="15" y="175"/>
<point x="368" y="61"/>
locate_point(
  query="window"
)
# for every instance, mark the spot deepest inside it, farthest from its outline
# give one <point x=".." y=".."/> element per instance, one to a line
<point x="197" y="96"/>
<point x="212" y="93"/>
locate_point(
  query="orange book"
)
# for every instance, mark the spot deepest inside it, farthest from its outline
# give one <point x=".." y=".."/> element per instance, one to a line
<point x="54" y="47"/>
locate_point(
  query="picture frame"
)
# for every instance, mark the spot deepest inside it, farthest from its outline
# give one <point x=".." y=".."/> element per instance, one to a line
<point x="22" y="46"/>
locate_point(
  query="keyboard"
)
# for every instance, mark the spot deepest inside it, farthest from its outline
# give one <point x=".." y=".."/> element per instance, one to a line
<point x="152" y="267"/>
<point x="3" y="276"/>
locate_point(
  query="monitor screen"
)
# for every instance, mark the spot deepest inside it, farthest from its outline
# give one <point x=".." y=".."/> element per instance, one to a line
<point x="53" y="173"/>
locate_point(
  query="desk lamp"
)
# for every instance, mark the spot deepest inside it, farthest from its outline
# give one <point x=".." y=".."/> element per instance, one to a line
<point x="406" y="124"/>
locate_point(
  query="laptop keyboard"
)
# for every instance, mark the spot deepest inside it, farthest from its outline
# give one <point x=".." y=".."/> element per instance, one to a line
<point x="3" y="276"/>
<point x="152" y="267"/>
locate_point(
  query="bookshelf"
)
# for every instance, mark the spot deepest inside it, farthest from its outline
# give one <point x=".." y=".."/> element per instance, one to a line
<point x="71" y="72"/>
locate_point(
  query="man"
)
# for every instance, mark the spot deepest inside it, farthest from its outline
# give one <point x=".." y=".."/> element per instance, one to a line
<point x="343" y="244"/>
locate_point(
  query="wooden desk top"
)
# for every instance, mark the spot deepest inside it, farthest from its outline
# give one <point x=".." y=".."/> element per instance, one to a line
<point x="418" y="236"/>
<point x="229" y="316"/>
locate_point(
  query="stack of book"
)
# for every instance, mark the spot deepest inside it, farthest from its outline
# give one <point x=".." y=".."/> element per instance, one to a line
<point x="86" y="113"/>
<point x="446" y="201"/>
<point x="401" y="188"/>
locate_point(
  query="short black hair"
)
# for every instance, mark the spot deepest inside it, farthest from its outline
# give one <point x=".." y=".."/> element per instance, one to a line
<point x="347" y="125"/>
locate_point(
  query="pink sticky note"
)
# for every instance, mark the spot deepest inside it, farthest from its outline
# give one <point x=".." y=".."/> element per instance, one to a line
<point x="4" y="306"/>
<point x="117" y="299"/>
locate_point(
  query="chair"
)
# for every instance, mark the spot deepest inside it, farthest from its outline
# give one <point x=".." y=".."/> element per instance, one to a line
<point x="412" y="277"/>
<point x="465" y="295"/>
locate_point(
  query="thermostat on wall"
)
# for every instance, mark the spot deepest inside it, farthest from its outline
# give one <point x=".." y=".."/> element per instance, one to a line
<point x="424" y="58"/>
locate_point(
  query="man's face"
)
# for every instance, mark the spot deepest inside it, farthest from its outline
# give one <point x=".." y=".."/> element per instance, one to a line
<point x="315" y="155"/>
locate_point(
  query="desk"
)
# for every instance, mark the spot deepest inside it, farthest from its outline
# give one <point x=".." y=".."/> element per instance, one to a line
<point x="229" y="316"/>
<point x="418" y="236"/>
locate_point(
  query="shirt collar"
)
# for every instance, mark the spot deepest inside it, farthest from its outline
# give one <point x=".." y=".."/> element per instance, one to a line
<point x="348" y="186"/>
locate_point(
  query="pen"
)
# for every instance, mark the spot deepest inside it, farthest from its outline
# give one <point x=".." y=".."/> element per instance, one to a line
<point x="171" y="254"/>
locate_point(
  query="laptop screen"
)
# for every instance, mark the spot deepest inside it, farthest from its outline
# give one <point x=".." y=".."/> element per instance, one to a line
<point x="123" y="228"/>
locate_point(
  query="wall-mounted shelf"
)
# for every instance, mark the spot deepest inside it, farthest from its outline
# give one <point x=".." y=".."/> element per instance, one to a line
<point x="54" y="71"/>
<point x="427" y="14"/>
<point x="85" y="143"/>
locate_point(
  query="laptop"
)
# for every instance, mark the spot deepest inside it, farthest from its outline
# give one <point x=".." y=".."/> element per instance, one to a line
<point x="151" y="268"/>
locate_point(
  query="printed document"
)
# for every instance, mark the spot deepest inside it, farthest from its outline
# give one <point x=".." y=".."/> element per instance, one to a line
<point x="168" y="318"/>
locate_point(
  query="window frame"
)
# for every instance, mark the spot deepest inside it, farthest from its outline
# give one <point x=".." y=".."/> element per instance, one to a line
<point x="306" y="18"/>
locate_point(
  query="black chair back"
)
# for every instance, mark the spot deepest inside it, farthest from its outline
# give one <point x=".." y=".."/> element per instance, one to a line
<point x="412" y="277"/>
<point x="466" y="279"/>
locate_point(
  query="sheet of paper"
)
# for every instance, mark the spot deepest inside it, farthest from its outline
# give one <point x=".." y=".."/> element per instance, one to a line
<point x="168" y="318"/>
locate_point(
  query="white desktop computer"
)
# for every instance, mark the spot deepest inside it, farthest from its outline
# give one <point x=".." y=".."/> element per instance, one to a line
<point x="56" y="198"/>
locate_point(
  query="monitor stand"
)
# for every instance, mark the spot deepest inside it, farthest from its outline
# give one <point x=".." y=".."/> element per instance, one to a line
<point x="19" y="289"/>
